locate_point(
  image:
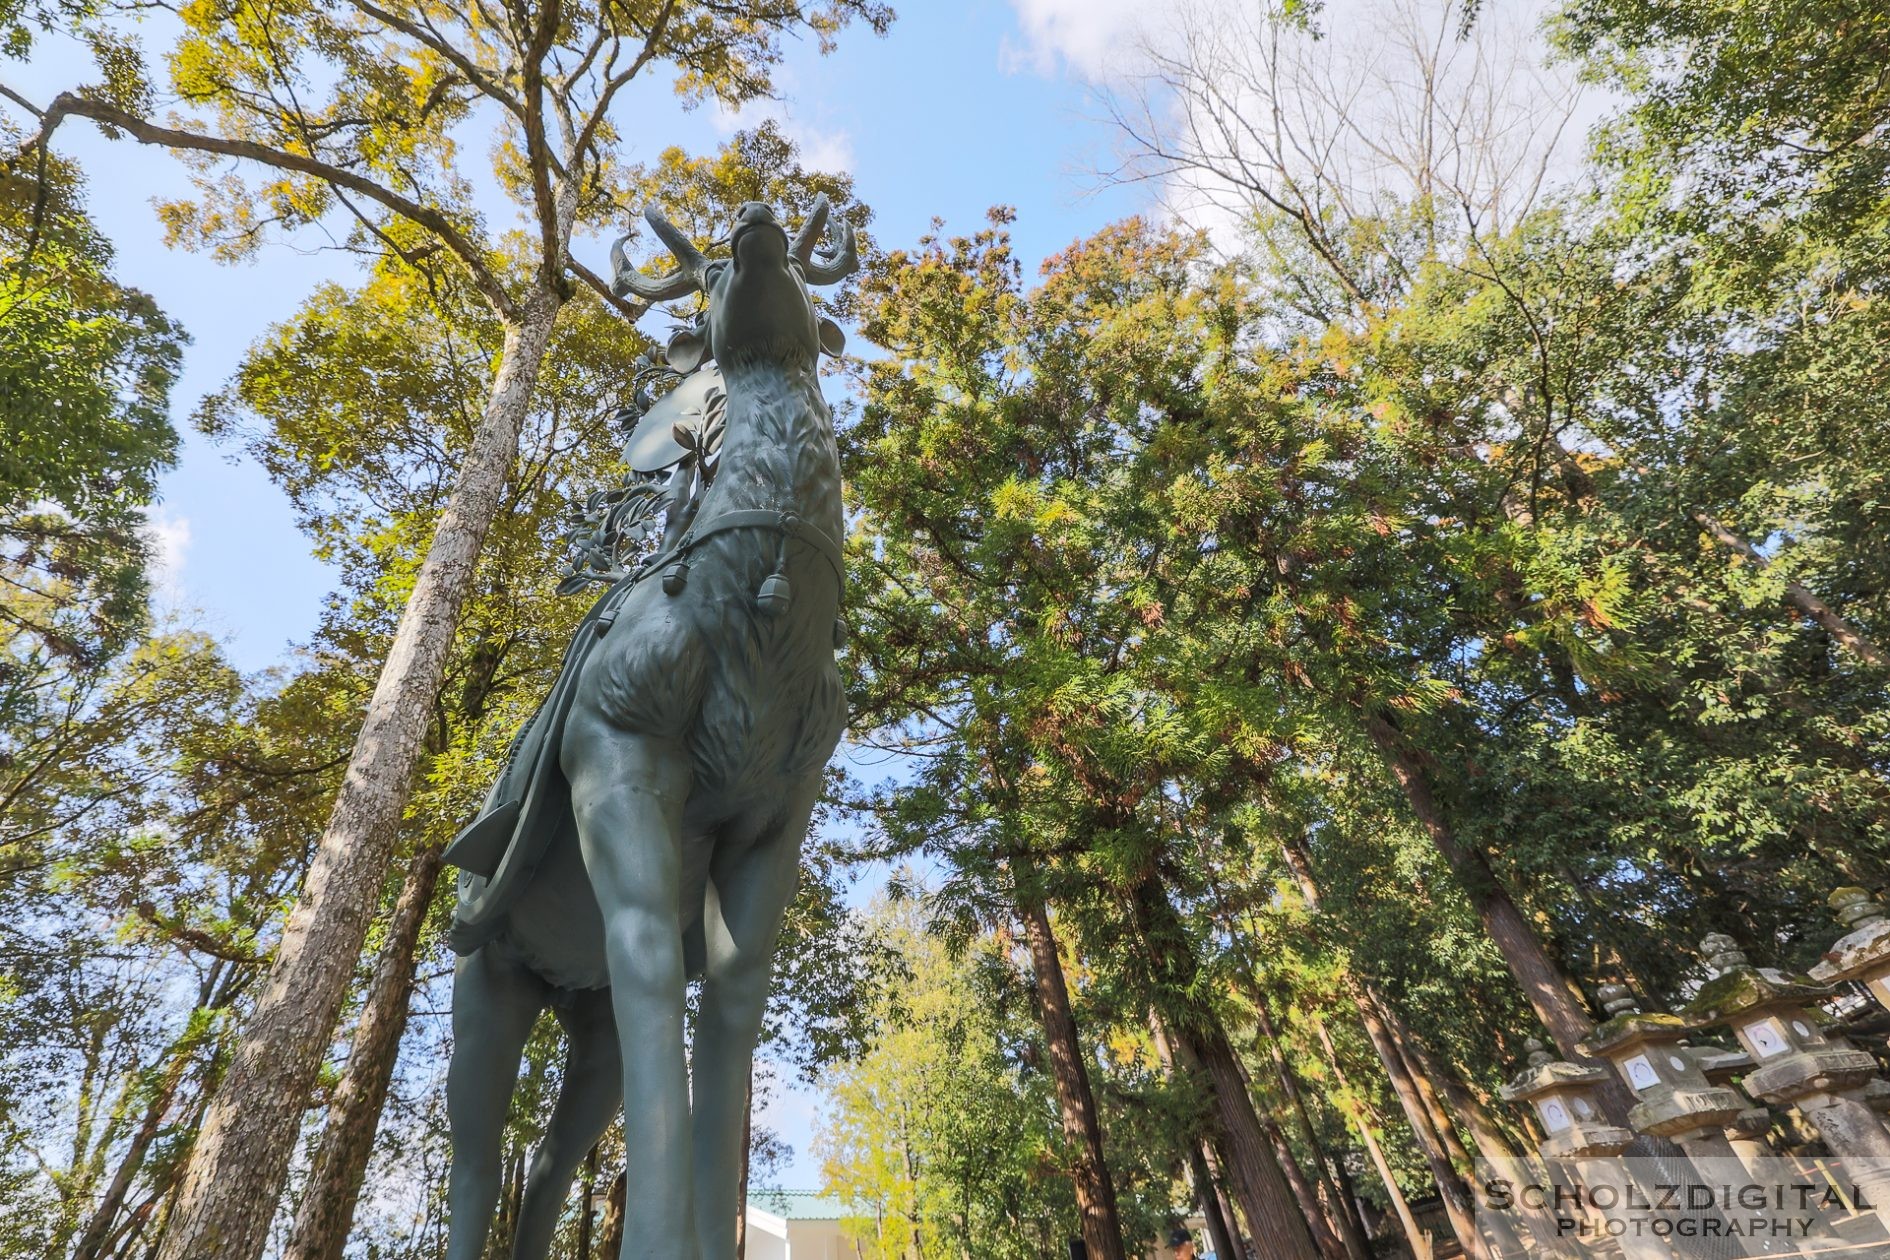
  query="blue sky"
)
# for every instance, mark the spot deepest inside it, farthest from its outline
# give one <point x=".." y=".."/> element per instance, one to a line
<point x="961" y="107"/>
<point x="964" y="105"/>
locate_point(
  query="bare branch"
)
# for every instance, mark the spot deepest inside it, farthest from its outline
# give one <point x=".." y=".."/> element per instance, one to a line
<point x="659" y="26"/>
<point x="66" y="104"/>
<point x="629" y="310"/>
<point x="430" y="38"/>
<point x="1405" y="115"/>
<point x="21" y="101"/>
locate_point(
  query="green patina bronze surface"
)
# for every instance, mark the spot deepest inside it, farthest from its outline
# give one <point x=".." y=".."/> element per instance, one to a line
<point x="646" y="830"/>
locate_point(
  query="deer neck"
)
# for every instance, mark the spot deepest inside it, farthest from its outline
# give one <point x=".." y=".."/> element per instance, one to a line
<point x="778" y="448"/>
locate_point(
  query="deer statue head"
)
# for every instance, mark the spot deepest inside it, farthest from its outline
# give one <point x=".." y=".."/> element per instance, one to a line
<point x="758" y="303"/>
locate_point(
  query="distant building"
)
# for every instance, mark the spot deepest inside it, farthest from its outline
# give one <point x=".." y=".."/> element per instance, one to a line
<point x="796" y="1225"/>
<point x="805" y="1225"/>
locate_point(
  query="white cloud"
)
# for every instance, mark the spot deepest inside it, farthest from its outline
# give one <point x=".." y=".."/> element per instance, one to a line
<point x="826" y="150"/>
<point x="822" y="149"/>
<point x="169" y="537"/>
<point x="1223" y="106"/>
<point x="1095" y="39"/>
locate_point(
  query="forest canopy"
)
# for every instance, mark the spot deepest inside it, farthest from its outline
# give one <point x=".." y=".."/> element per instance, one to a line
<point x="1302" y="640"/>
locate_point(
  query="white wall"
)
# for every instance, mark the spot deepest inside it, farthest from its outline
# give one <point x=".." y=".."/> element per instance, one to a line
<point x="818" y="1240"/>
<point x="767" y="1236"/>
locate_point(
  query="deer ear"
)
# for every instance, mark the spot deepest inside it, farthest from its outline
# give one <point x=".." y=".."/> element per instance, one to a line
<point x="832" y="340"/>
<point x="687" y="348"/>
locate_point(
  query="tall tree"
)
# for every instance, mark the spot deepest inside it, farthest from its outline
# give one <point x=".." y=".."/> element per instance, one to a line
<point x="1010" y="599"/>
<point x="352" y="109"/>
<point x="1082" y="1126"/>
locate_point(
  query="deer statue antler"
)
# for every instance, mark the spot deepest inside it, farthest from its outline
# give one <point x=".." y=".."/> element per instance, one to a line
<point x="687" y="277"/>
<point x="837" y="265"/>
<point x="811" y="227"/>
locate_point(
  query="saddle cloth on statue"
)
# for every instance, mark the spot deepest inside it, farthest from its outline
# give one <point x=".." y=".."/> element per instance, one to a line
<point x="499" y="851"/>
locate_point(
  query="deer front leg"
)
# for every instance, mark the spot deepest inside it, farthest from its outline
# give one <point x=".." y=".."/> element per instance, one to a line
<point x="628" y="792"/>
<point x="749" y="892"/>
<point x="496" y="1000"/>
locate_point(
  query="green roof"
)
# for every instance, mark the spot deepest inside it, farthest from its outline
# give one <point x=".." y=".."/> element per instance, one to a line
<point x="801" y="1205"/>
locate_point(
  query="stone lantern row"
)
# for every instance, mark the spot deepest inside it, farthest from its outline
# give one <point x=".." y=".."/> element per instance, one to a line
<point x="1791" y="1056"/>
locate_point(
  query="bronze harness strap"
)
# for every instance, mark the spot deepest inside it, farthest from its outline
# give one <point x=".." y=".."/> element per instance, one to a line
<point x="499" y="849"/>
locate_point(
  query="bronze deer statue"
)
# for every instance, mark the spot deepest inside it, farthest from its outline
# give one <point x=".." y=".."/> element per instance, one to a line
<point x="648" y="828"/>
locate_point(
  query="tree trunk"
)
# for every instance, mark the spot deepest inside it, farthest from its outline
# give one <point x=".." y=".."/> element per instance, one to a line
<point x="164" y="1197"/>
<point x="1458" y="1205"/>
<point x="1207" y="1194"/>
<point x="1342" y="1177"/>
<point x="1203" y="1163"/>
<point x="1551" y="993"/>
<point x="587" y="1210"/>
<point x="1415" y="1238"/>
<point x="1223" y="1196"/>
<point x="741" y="1188"/>
<point x="1450" y="1187"/>
<point x="326" y="1212"/>
<point x="1202" y="1049"/>
<point x="1347" y="1230"/>
<point x="1801" y="598"/>
<point x="1491" y="1145"/>
<point x="1272" y="1215"/>
<point x="1442" y="1123"/>
<point x="1414" y="1235"/>
<point x="1082" y="1129"/>
<point x="97" y="1229"/>
<point x="1421" y="1068"/>
<point x="241" y="1157"/>
<point x="610" y="1230"/>
<point x="1311" y="1205"/>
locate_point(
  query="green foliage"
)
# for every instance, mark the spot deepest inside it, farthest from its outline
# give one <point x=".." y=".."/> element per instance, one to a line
<point x="1777" y="105"/>
<point x="86" y="368"/>
<point x="943" y="1138"/>
<point x="146" y="857"/>
<point x="1163" y="564"/>
<point x="1146" y="570"/>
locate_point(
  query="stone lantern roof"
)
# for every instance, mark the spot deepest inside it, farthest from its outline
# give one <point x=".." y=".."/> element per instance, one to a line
<point x="1797" y="1055"/>
<point x="1867" y="945"/>
<point x="1674" y="1097"/>
<point x="1545" y="1073"/>
<point x="1627" y="1025"/>
<point x="1562" y="1095"/>
<point x="1740" y="987"/>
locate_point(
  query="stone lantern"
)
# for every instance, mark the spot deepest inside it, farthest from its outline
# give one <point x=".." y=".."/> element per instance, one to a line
<point x="1748" y="1130"/>
<point x="1677" y="1098"/>
<point x="1651" y="1055"/>
<point x="1565" y="1099"/>
<point x="1796" y="1063"/>
<point x="1863" y="954"/>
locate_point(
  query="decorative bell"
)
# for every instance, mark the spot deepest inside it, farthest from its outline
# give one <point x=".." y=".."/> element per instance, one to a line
<point x="675" y="577"/>
<point x="775" y="594"/>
